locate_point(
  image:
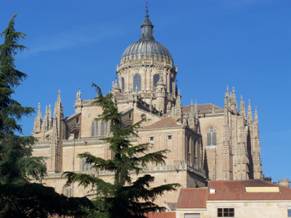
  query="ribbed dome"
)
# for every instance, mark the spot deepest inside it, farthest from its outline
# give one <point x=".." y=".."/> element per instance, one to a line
<point x="147" y="47"/>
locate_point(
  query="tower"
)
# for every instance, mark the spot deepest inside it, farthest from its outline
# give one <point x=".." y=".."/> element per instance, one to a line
<point x="57" y="136"/>
<point x="37" y="121"/>
<point x="256" y="151"/>
<point x="147" y="69"/>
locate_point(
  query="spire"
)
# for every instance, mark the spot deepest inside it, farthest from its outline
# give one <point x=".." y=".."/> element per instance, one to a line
<point x="49" y="116"/>
<point x="178" y="105"/>
<point x="256" y="116"/>
<point x="58" y="106"/>
<point x="192" y="109"/>
<point x="38" y="120"/>
<point x="147" y="26"/>
<point x="78" y="95"/>
<point x="44" y="123"/>
<point x="226" y="97"/>
<point x="146" y="8"/>
<point x="250" y="113"/>
<point x="233" y="95"/>
<point x="242" y="107"/>
<point x="59" y="96"/>
<point x="38" y="110"/>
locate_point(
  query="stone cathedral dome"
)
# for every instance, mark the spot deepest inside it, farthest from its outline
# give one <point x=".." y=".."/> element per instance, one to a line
<point x="146" y="48"/>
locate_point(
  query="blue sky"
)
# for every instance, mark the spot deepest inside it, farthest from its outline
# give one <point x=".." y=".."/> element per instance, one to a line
<point x="215" y="43"/>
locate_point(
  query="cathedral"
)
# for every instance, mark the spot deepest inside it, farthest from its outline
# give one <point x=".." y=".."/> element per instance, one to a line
<point x="205" y="141"/>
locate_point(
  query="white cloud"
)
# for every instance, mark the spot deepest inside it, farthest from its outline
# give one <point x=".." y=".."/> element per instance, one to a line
<point x="74" y="37"/>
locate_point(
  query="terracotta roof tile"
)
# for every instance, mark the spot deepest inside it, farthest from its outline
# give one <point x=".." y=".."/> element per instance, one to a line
<point x="164" y="122"/>
<point x="161" y="215"/>
<point x="232" y="191"/>
<point x="193" y="198"/>
<point x="236" y="190"/>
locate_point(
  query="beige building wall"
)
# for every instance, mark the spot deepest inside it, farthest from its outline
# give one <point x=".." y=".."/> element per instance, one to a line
<point x="247" y="209"/>
<point x="214" y="153"/>
<point x="243" y="209"/>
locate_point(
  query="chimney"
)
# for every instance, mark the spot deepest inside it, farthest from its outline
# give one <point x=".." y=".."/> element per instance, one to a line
<point x="284" y="183"/>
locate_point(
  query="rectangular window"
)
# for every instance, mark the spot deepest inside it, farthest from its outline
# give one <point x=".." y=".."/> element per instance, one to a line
<point x="289" y="212"/>
<point x="192" y="215"/>
<point x="169" y="137"/>
<point x="152" y="140"/>
<point x="225" y="212"/>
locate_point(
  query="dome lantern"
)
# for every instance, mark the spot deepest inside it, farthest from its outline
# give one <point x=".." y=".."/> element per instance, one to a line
<point x="146" y="48"/>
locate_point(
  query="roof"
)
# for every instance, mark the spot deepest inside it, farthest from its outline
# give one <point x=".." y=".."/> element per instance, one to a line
<point x="202" y="108"/>
<point x="73" y="116"/>
<point x="161" y="215"/>
<point x="232" y="191"/>
<point x="192" y="198"/>
<point x="167" y="122"/>
<point x="236" y="190"/>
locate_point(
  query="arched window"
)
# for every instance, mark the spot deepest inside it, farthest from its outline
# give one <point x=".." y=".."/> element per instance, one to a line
<point x="100" y="128"/>
<point x="211" y="137"/>
<point x="156" y="79"/>
<point x="84" y="166"/>
<point x="122" y="84"/>
<point x="94" y="128"/>
<point x="136" y="82"/>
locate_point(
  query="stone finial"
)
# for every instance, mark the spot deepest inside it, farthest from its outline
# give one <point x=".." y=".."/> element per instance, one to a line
<point x="256" y="115"/>
<point x="226" y="97"/>
<point x="178" y="106"/>
<point x="196" y="110"/>
<point x="38" y="110"/>
<point x="250" y="113"/>
<point x="192" y="109"/>
<point x="78" y="102"/>
<point x="58" y="106"/>
<point x="233" y="100"/>
<point x="38" y="120"/>
<point x="44" y="127"/>
<point x="178" y="101"/>
<point x="78" y="95"/>
<point x="233" y="94"/>
<point x="242" y="107"/>
<point x="49" y="116"/>
<point x="115" y="87"/>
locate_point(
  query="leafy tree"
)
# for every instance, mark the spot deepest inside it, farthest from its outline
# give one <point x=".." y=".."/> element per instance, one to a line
<point x="18" y="197"/>
<point x="125" y="197"/>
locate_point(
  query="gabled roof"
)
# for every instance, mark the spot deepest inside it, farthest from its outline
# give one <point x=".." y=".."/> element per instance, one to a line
<point x="167" y="122"/>
<point x="192" y="198"/>
<point x="232" y="191"/>
<point x="237" y="190"/>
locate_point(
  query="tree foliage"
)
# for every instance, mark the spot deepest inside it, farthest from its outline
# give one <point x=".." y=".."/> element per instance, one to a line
<point x="125" y="197"/>
<point x="18" y="197"/>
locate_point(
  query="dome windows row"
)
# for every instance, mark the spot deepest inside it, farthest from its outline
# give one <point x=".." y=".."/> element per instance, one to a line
<point x="137" y="82"/>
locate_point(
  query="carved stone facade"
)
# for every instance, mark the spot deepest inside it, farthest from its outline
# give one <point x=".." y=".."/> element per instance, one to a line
<point x="206" y="142"/>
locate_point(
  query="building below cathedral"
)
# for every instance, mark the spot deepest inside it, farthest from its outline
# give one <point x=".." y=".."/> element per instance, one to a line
<point x="206" y="141"/>
<point x="240" y="199"/>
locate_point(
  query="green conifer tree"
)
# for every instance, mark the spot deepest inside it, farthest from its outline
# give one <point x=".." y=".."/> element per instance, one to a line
<point x="18" y="197"/>
<point x="124" y="197"/>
